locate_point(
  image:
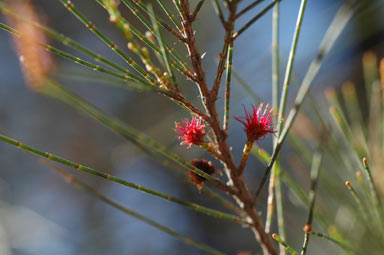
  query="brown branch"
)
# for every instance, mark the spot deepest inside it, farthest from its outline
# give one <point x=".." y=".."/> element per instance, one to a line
<point x="242" y="195"/>
<point x="223" y="55"/>
<point x="193" y="52"/>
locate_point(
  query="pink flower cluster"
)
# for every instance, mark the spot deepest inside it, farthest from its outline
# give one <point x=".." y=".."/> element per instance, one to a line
<point x="191" y="132"/>
<point x="258" y="123"/>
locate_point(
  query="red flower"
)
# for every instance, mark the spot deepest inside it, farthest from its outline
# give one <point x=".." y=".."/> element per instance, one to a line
<point x="191" y="132"/>
<point x="258" y="123"/>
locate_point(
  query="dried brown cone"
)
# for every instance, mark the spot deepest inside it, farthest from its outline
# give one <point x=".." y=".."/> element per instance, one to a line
<point x="205" y="166"/>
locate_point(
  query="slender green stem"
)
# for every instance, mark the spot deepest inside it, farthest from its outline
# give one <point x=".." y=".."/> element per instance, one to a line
<point x="141" y="17"/>
<point x="341" y="19"/>
<point x="170" y="15"/>
<point x="127" y="77"/>
<point x="9" y="29"/>
<point x="291" y="60"/>
<point x="228" y="83"/>
<point x="197" y="9"/>
<point x="164" y="52"/>
<point x="327" y="237"/>
<point x="270" y="202"/>
<point x="219" y="11"/>
<point x="315" y="170"/>
<point x="358" y="201"/>
<point x="176" y="3"/>
<point x="134" y="46"/>
<point x="179" y="64"/>
<point x="279" y="205"/>
<point x="275" y="181"/>
<point x="66" y="41"/>
<point x="112" y="178"/>
<point x="71" y="7"/>
<point x="254" y="19"/>
<point x="275" y="57"/>
<point x="248" y="8"/>
<point x="183" y="238"/>
<point x="285" y="244"/>
<point x="372" y="187"/>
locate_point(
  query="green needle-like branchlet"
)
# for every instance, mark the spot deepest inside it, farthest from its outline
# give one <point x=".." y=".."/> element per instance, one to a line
<point x="127" y="76"/>
<point x="285" y="244"/>
<point x="275" y="191"/>
<point x="315" y="170"/>
<point x="254" y="19"/>
<point x="9" y="29"/>
<point x="186" y="239"/>
<point x="358" y="201"/>
<point x="197" y="9"/>
<point x="170" y="15"/>
<point x="291" y="60"/>
<point x="164" y="52"/>
<point x="112" y="178"/>
<point x="341" y="19"/>
<point x="128" y="132"/>
<point x="249" y="7"/>
<point x="219" y="11"/>
<point x="228" y="83"/>
<point x="327" y="237"/>
<point x="71" y="7"/>
<point x="184" y="67"/>
<point x="372" y="187"/>
<point x="67" y="41"/>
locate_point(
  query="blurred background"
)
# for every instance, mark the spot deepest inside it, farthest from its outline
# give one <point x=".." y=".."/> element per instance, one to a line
<point x="41" y="214"/>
